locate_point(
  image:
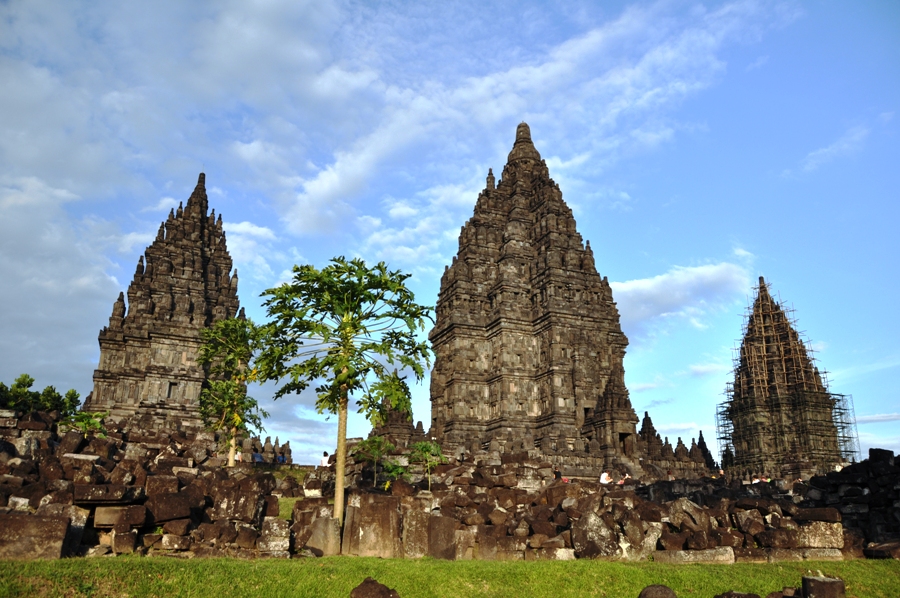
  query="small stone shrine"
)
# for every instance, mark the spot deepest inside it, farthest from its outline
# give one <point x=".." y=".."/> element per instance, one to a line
<point x="148" y="371"/>
<point x="779" y="417"/>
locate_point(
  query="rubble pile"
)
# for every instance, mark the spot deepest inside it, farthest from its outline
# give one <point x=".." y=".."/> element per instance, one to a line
<point x="68" y="494"/>
<point x="867" y="494"/>
<point x="511" y="507"/>
<point x="62" y="494"/>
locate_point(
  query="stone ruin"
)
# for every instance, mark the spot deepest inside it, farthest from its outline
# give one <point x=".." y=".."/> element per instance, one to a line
<point x="528" y="345"/>
<point x="779" y="417"/>
<point x="148" y="372"/>
<point x="158" y="493"/>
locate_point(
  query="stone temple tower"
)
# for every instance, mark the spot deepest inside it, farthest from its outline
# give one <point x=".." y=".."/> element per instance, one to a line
<point x="148" y="371"/>
<point x="779" y="417"/>
<point x="528" y="346"/>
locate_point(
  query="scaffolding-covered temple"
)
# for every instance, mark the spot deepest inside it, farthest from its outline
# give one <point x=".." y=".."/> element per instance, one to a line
<point x="779" y="417"/>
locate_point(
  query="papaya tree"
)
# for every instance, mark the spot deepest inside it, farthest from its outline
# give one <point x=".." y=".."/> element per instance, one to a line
<point x="343" y="327"/>
<point x="228" y="350"/>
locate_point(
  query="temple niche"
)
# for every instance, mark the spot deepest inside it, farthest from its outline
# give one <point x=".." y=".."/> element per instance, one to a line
<point x="148" y="372"/>
<point x="528" y="345"/>
<point x="779" y="417"/>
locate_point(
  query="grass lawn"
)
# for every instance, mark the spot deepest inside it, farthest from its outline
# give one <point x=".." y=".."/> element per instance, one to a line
<point x="336" y="576"/>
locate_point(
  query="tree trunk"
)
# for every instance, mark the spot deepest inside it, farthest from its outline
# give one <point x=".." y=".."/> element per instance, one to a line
<point x="232" y="447"/>
<point x="341" y="458"/>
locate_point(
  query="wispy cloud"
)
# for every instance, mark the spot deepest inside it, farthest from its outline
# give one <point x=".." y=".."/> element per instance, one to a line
<point x="759" y="62"/>
<point x="163" y="205"/>
<point x="849" y="143"/>
<point x="708" y="369"/>
<point x="847" y="373"/>
<point x="877" y="419"/>
<point x="682" y="293"/>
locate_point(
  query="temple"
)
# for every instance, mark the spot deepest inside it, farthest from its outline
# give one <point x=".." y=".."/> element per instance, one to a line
<point x="779" y="417"/>
<point x="528" y="345"/>
<point x="148" y="372"/>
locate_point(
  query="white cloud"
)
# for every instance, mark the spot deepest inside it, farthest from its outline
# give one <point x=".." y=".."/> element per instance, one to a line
<point x="708" y="369"/>
<point x="163" y="205"/>
<point x="642" y="386"/>
<point x="849" y="143"/>
<point x="757" y="63"/>
<point x="55" y="292"/>
<point x="678" y="428"/>
<point x="847" y="373"/>
<point x="879" y="418"/>
<point x="129" y="241"/>
<point x="249" y="229"/>
<point x="682" y="293"/>
<point x="743" y="254"/>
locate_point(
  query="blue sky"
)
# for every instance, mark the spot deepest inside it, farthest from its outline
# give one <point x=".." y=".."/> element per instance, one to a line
<point x="700" y="144"/>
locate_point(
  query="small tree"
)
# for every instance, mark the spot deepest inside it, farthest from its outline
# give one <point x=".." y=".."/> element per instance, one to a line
<point x="21" y="398"/>
<point x="373" y="449"/>
<point x="393" y="471"/>
<point x="339" y="326"/>
<point x="428" y="453"/>
<point x="89" y="423"/>
<point x="228" y="350"/>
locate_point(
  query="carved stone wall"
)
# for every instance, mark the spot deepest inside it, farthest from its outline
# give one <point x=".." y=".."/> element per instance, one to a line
<point x="527" y="341"/>
<point x="782" y="417"/>
<point x="148" y="371"/>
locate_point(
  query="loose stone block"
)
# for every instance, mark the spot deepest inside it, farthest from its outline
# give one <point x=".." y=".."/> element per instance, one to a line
<point x="25" y="537"/>
<point x="326" y="537"/>
<point x="720" y="555"/>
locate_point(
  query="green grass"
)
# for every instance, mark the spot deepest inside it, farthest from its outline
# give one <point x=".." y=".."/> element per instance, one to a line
<point x="426" y="578"/>
<point x="286" y="507"/>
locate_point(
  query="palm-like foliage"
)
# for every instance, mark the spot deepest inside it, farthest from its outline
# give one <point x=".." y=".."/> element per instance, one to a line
<point x="342" y="327"/>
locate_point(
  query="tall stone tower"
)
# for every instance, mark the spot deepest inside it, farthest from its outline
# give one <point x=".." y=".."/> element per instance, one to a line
<point x="148" y="371"/>
<point x="779" y="417"/>
<point x="528" y="346"/>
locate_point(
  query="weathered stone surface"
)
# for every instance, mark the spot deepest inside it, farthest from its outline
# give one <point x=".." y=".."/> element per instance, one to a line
<point x="820" y="534"/>
<point x="326" y="537"/>
<point x="275" y="535"/>
<point x="106" y="494"/>
<point x="379" y="526"/>
<point x="32" y="537"/>
<point x="161" y="484"/>
<point x="883" y="550"/>
<point x="177" y="527"/>
<point x="442" y="537"/>
<point x="237" y="505"/>
<point x="370" y="588"/>
<point x="780" y="409"/>
<point x="823" y="587"/>
<point x="165" y="507"/>
<point x="414" y="535"/>
<point x="173" y="542"/>
<point x="124" y="542"/>
<point x="78" y="519"/>
<point x="527" y="340"/>
<point x="592" y="537"/>
<point x="148" y="370"/>
<point x="721" y="555"/>
<point x="245" y="537"/>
